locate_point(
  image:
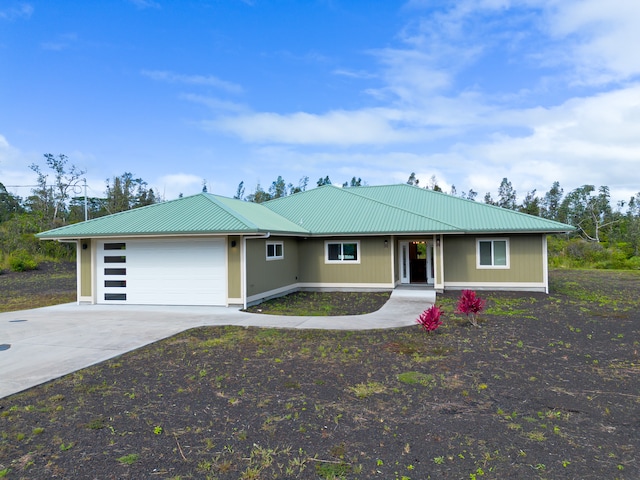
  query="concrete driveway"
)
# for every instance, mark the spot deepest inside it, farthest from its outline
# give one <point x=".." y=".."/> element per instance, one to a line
<point x="46" y="343"/>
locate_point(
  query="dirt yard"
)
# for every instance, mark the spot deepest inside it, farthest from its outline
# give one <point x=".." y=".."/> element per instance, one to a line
<point x="548" y="387"/>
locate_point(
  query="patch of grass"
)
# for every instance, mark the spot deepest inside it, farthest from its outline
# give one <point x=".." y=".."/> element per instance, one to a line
<point x="516" y="306"/>
<point x="331" y="471"/>
<point x="364" y="390"/>
<point x="416" y="378"/>
<point x="536" y="436"/>
<point x="129" y="459"/>
<point x="96" y="424"/>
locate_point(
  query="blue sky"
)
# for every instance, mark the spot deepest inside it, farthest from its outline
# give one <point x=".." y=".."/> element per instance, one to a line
<point x="178" y="92"/>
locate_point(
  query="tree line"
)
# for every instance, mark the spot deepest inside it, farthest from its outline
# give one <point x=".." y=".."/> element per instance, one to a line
<point x="604" y="232"/>
<point x="59" y="198"/>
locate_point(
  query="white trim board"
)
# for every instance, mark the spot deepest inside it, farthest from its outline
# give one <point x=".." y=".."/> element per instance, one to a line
<point x="522" y="286"/>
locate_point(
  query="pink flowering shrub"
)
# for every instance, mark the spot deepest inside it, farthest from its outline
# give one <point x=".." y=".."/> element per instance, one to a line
<point x="430" y="318"/>
<point x="470" y="305"/>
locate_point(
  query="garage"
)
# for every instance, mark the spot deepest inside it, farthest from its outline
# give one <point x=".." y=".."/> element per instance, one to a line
<point x="162" y="271"/>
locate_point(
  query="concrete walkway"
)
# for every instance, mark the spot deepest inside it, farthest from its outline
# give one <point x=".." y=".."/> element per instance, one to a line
<point x="46" y="343"/>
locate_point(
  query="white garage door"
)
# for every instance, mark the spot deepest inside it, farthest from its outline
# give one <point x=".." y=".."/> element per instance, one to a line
<point x="162" y="272"/>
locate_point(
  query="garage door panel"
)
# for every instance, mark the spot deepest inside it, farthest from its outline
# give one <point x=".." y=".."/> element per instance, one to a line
<point x="169" y="272"/>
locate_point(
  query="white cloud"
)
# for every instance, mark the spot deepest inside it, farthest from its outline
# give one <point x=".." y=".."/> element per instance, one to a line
<point x="14" y="170"/>
<point x="602" y="37"/>
<point x="335" y="128"/>
<point x="171" y="185"/>
<point x="21" y="11"/>
<point x="201" y="80"/>
<point x="590" y="140"/>
<point x="410" y="76"/>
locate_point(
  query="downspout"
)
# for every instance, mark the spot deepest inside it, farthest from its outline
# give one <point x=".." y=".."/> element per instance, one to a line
<point x="441" y="254"/>
<point x="244" y="264"/>
<point x="545" y="263"/>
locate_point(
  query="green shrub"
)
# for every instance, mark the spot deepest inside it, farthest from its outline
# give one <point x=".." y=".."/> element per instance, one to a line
<point x="585" y="252"/>
<point x="633" y="263"/>
<point x="21" y="261"/>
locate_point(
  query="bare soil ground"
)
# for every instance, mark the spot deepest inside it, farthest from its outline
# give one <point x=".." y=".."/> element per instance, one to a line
<point x="548" y="387"/>
<point x="50" y="284"/>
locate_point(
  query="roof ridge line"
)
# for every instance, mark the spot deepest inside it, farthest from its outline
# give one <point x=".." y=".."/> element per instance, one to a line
<point x="213" y="198"/>
<point x="489" y="205"/>
<point x="404" y="209"/>
<point x="241" y="217"/>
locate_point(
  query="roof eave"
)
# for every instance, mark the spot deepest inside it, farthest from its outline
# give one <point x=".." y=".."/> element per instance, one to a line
<point x="155" y="234"/>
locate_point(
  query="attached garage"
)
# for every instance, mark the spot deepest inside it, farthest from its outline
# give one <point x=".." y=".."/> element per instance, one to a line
<point x="175" y="271"/>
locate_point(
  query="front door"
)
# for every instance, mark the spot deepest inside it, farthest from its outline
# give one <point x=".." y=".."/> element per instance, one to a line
<point x="416" y="262"/>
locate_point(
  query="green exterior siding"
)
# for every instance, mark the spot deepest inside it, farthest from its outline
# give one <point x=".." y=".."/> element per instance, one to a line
<point x="85" y="268"/>
<point x="266" y="275"/>
<point x="374" y="266"/>
<point x="525" y="260"/>
<point x="234" y="273"/>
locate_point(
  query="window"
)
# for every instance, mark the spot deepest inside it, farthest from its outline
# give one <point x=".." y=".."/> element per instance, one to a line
<point x="115" y="246"/>
<point x="115" y="271"/>
<point x="275" y="250"/>
<point x="338" y="252"/>
<point x="113" y="259"/>
<point x="115" y="296"/>
<point x="492" y="253"/>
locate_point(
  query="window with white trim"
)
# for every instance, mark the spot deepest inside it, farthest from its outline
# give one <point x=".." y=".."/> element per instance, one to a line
<point x="492" y="253"/>
<point x="275" y="250"/>
<point x="342" y="252"/>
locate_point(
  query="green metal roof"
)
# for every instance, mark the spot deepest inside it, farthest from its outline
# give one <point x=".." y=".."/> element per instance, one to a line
<point x="198" y="214"/>
<point x="330" y="210"/>
<point x="402" y="209"/>
<point x="325" y="210"/>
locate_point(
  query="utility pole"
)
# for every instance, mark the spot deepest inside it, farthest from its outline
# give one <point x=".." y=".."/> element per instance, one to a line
<point x="85" y="199"/>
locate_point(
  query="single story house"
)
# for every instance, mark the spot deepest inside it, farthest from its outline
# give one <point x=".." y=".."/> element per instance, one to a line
<point x="207" y="249"/>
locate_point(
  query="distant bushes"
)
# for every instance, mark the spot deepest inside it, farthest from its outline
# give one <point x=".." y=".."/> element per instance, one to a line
<point x="579" y="253"/>
<point x="18" y="234"/>
<point x="21" y="261"/>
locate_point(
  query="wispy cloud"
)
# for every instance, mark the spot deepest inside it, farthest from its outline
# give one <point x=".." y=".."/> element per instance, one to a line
<point x="601" y="38"/>
<point x="143" y="4"/>
<point x="170" y="186"/>
<point x="63" y="42"/>
<point x="354" y="73"/>
<point x="201" y="80"/>
<point x="21" y="11"/>
<point x="215" y="104"/>
<point x="340" y="127"/>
